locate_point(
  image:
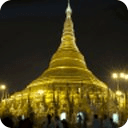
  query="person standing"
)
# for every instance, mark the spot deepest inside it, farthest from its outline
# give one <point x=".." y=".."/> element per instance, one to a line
<point x="113" y="124"/>
<point x="49" y="123"/>
<point x="85" y="121"/>
<point x="26" y="123"/>
<point x="79" y="121"/>
<point x="58" y="123"/>
<point x="96" y="123"/>
<point x="106" y="122"/>
<point x="65" y="123"/>
<point x="49" y="117"/>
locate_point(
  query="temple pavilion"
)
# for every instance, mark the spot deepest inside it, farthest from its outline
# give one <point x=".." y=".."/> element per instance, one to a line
<point x="66" y="86"/>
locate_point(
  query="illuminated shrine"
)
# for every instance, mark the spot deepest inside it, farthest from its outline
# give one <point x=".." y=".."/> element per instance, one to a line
<point x="67" y="86"/>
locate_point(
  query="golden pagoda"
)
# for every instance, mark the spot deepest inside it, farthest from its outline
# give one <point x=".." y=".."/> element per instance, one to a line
<point x="66" y="86"/>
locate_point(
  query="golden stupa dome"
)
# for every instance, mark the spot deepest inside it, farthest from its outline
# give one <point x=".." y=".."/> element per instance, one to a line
<point x="67" y="65"/>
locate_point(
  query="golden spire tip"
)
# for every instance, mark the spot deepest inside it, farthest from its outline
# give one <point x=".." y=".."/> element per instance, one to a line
<point x="68" y="10"/>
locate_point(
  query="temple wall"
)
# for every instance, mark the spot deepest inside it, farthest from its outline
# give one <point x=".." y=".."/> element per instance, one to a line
<point x="57" y="100"/>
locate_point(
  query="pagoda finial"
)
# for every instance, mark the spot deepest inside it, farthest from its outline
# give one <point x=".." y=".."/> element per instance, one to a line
<point x="68" y="10"/>
<point x="68" y="36"/>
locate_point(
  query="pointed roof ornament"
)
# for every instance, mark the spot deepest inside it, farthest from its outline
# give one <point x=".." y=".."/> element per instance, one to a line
<point x="68" y="10"/>
<point x="68" y="36"/>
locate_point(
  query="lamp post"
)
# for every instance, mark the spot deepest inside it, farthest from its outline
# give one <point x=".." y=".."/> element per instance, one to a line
<point x="119" y="94"/>
<point x="3" y="88"/>
<point x="4" y="96"/>
<point x="118" y="77"/>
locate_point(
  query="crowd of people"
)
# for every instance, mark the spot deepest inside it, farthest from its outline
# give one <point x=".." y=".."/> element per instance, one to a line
<point x="106" y="122"/>
<point x="51" y="121"/>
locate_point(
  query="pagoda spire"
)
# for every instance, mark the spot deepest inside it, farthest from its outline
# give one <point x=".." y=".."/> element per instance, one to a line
<point x="68" y="10"/>
<point x="68" y="36"/>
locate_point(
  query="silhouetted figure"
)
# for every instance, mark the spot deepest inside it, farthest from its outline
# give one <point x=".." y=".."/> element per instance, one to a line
<point x="26" y="123"/>
<point x="85" y="120"/>
<point x="79" y="121"/>
<point x="106" y="122"/>
<point x="58" y="123"/>
<point x="49" y="118"/>
<point x="114" y="125"/>
<point x="79" y="118"/>
<point x="96" y="122"/>
<point x="49" y="123"/>
<point x="65" y="123"/>
<point x="15" y="121"/>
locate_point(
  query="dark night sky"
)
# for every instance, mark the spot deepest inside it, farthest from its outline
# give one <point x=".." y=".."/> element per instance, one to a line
<point x="30" y="33"/>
